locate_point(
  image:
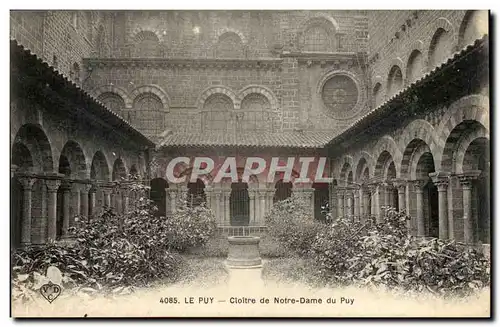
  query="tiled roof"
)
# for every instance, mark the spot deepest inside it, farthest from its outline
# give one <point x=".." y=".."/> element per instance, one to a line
<point x="401" y="97"/>
<point x="53" y="77"/>
<point x="295" y="139"/>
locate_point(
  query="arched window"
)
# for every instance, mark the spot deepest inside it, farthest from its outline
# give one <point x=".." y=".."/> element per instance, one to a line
<point x="229" y="46"/>
<point x="377" y="94"/>
<point x="256" y="113"/>
<point x="216" y="114"/>
<point x="394" y="81"/>
<point x="415" y="68"/>
<point x="474" y="26"/>
<point x="148" y="114"/>
<point x="316" y="39"/>
<point x="112" y="101"/>
<point x="440" y="49"/>
<point x="146" y="44"/>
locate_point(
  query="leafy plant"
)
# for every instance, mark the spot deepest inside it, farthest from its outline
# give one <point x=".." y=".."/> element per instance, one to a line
<point x="291" y="223"/>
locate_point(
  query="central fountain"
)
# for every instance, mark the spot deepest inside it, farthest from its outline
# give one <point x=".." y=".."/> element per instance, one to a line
<point x="244" y="252"/>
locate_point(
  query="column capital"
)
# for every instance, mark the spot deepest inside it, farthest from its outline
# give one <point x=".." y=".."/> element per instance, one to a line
<point x="400" y="184"/>
<point x="440" y="179"/>
<point x="172" y="193"/>
<point x="26" y="182"/>
<point x="373" y="186"/>
<point x="466" y="178"/>
<point x="52" y="184"/>
<point x="85" y="188"/>
<point x="106" y="190"/>
<point x="419" y="183"/>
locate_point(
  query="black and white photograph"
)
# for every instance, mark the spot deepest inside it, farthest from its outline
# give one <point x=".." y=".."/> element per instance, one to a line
<point x="249" y="163"/>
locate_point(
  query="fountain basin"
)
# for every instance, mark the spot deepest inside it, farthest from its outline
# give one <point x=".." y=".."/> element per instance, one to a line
<point x="244" y="252"/>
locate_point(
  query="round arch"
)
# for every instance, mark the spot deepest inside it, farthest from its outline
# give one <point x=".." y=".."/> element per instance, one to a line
<point x="34" y="138"/>
<point x="217" y="90"/>
<point x="119" y="170"/>
<point x="99" y="169"/>
<point x="76" y="158"/>
<point x="387" y="143"/>
<point x="266" y="92"/>
<point x="113" y="89"/>
<point x="154" y="89"/>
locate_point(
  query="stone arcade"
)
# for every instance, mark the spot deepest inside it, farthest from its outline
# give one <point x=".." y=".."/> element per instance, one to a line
<point x="398" y="101"/>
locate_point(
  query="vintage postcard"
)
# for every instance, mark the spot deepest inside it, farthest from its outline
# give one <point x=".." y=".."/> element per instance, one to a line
<point x="250" y="163"/>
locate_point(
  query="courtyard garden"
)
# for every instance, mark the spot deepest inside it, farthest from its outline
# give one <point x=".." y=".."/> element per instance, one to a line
<point x="141" y="252"/>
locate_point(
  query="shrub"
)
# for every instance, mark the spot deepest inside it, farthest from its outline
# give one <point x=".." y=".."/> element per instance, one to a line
<point x="290" y="223"/>
<point x="386" y="254"/>
<point x="190" y="226"/>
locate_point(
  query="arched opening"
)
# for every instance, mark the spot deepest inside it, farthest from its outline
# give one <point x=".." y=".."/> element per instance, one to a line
<point x="119" y="171"/>
<point x="149" y="114"/>
<point x="73" y="159"/>
<point x="158" y="194"/>
<point x="415" y="68"/>
<point x="317" y="39"/>
<point x="216" y="110"/>
<point x="477" y="157"/>
<point x="440" y="48"/>
<point x="229" y="46"/>
<point x="113" y="102"/>
<point x="473" y="27"/>
<point x="146" y="45"/>
<point x="283" y="190"/>
<point x="377" y="95"/>
<point x="36" y="141"/>
<point x="394" y="81"/>
<point x="425" y="166"/>
<point x="256" y="111"/>
<point x="321" y="199"/>
<point x="239" y="204"/>
<point x="196" y="193"/>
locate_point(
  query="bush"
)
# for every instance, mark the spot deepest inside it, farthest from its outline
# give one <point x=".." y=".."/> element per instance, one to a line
<point x="291" y="224"/>
<point x="386" y="254"/>
<point x="190" y="226"/>
<point x="112" y="251"/>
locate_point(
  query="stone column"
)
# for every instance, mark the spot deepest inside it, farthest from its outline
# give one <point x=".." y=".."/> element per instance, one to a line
<point x="218" y="211"/>
<point x="357" y="207"/>
<point x="466" y="179"/>
<point x="84" y="200"/>
<point x="441" y="181"/>
<point x="349" y="211"/>
<point x="75" y="201"/>
<point x="253" y="208"/>
<point x="340" y="202"/>
<point x="107" y="196"/>
<point x="66" y="207"/>
<point x="388" y="194"/>
<point x="209" y="194"/>
<point x="52" y="187"/>
<point x="375" y="191"/>
<point x="262" y="197"/>
<point x="227" y="212"/>
<point x="366" y="201"/>
<point x="419" y="192"/>
<point x="27" y="184"/>
<point x="400" y="185"/>
<point x="92" y="201"/>
<point x="269" y="199"/>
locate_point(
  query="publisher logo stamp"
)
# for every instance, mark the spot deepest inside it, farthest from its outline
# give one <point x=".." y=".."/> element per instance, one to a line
<point x="50" y="291"/>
